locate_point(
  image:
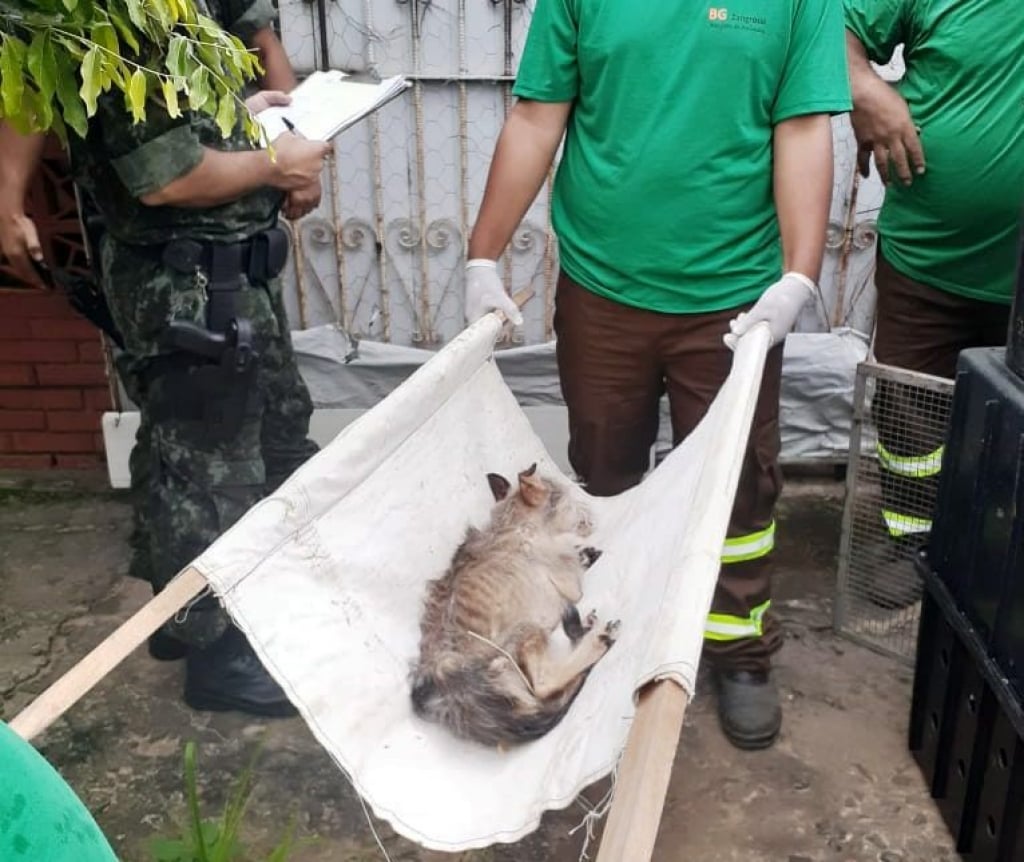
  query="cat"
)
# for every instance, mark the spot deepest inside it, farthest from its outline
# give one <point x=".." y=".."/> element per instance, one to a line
<point x="486" y="669"/>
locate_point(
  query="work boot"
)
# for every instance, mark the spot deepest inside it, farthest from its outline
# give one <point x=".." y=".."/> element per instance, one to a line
<point x="228" y="676"/>
<point x="748" y="708"/>
<point x="889" y="577"/>
<point x="163" y="647"/>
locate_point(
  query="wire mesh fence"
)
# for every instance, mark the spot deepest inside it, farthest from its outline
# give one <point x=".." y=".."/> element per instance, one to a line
<point x="896" y="446"/>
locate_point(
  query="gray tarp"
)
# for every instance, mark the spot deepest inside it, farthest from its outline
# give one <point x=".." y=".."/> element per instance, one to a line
<point x="817" y="388"/>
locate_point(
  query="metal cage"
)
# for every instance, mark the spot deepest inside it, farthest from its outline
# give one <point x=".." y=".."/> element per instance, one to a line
<point x="896" y="444"/>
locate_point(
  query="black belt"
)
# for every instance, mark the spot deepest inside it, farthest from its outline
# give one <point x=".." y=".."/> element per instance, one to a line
<point x="260" y="257"/>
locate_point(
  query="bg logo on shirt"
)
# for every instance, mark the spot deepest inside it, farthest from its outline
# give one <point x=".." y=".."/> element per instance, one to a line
<point x="722" y="19"/>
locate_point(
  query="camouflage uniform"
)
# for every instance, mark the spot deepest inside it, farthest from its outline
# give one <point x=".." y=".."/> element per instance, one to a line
<point x="188" y="486"/>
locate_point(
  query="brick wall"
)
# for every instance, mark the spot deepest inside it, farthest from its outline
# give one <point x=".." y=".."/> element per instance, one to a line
<point x="53" y="384"/>
<point x="53" y="380"/>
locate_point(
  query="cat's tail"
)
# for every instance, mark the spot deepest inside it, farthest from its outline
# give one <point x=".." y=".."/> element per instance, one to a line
<point x="471" y="702"/>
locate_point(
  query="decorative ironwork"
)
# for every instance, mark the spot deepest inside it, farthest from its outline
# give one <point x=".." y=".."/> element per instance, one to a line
<point x="52" y="205"/>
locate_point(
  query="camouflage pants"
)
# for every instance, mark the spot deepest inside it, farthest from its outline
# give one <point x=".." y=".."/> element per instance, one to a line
<point x="188" y="486"/>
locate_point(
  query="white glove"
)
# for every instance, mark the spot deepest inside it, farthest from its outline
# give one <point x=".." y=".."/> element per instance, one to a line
<point x="779" y="307"/>
<point x="485" y="292"/>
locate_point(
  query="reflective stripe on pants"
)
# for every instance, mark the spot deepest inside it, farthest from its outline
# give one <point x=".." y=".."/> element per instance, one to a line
<point x="723" y="627"/>
<point x="901" y="525"/>
<point x="739" y="549"/>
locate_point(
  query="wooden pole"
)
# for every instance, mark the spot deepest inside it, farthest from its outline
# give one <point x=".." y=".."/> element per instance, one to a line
<point x="71" y="687"/>
<point x="643" y="775"/>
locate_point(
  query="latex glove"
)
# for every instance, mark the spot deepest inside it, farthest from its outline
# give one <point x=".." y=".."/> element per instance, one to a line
<point x="485" y="292"/>
<point x="779" y="307"/>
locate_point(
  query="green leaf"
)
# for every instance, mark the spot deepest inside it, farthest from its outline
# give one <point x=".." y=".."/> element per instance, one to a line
<point x="284" y="849"/>
<point x="12" y="85"/>
<point x="70" y="5"/>
<point x="192" y="795"/>
<point x="227" y="115"/>
<point x="42" y="65"/>
<point x="136" y="13"/>
<point x="176" y="60"/>
<point x="104" y="35"/>
<point x="92" y="79"/>
<point x="135" y="95"/>
<point x="170" y="97"/>
<point x="67" y="94"/>
<point x="169" y="850"/>
<point x="198" y="88"/>
<point x="33" y="111"/>
<point x="125" y="29"/>
<point x="162" y="13"/>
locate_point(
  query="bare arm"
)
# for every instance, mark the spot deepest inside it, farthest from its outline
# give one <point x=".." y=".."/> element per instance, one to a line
<point x="803" y="190"/>
<point x="522" y="158"/>
<point x="881" y="120"/>
<point x="277" y="68"/>
<point x="19" y="241"/>
<point x="222" y="177"/>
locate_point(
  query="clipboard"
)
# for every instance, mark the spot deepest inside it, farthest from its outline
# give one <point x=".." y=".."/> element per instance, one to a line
<point x="327" y="103"/>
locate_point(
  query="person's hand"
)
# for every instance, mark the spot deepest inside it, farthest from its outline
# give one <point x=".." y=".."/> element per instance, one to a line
<point x="299" y="202"/>
<point x="882" y="125"/>
<point x="298" y="161"/>
<point x="267" y="99"/>
<point x="779" y="307"/>
<point x="19" y="242"/>
<point x="485" y="292"/>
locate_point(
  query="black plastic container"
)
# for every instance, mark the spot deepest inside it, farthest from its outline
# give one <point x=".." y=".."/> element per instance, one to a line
<point x="967" y="731"/>
<point x="977" y="537"/>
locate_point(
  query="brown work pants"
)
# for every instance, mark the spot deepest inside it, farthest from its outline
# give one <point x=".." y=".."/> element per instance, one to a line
<point x="923" y="329"/>
<point x="615" y="362"/>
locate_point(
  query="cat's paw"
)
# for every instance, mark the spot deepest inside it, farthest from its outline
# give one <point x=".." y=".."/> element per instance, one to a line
<point x="590" y="620"/>
<point x="610" y="633"/>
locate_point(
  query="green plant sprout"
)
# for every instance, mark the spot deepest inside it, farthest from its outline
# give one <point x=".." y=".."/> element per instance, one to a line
<point x="216" y="839"/>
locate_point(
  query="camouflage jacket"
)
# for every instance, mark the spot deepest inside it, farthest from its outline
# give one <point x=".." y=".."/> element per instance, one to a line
<point x="119" y="161"/>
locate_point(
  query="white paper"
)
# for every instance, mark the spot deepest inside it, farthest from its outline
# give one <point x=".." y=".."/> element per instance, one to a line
<point x="327" y="577"/>
<point x="327" y="103"/>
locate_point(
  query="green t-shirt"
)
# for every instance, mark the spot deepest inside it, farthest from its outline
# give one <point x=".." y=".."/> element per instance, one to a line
<point x="41" y="819"/>
<point x="955" y="227"/>
<point x="663" y="197"/>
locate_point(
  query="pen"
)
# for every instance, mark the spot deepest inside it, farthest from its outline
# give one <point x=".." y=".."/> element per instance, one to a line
<point x="290" y="126"/>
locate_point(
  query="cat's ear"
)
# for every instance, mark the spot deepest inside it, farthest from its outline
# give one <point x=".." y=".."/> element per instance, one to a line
<point x="534" y="492"/>
<point x="499" y="485"/>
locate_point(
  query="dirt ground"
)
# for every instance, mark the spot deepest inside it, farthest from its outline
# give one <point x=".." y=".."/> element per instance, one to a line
<point x="839" y="785"/>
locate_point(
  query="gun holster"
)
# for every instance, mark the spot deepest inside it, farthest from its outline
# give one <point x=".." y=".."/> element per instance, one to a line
<point x="207" y="376"/>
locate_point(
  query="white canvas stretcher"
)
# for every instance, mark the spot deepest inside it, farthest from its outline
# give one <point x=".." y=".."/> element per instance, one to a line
<point x="326" y="578"/>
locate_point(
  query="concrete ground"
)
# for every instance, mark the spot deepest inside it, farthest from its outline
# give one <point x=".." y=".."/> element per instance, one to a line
<point x="839" y="785"/>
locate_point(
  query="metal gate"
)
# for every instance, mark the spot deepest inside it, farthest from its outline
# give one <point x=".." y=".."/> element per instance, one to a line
<point x="383" y="255"/>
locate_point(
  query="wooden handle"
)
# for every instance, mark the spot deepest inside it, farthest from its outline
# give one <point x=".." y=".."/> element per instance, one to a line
<point x="644" y="773"/>
<point x="520" y="298"/>
<point x="74" y="684"/>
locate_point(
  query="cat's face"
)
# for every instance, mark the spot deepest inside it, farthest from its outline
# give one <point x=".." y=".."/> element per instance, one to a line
<point x="541" y="499"/>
